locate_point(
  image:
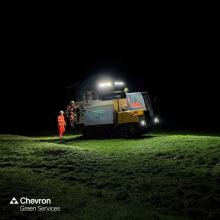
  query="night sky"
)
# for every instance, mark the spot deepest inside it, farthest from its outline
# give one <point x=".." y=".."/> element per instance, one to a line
<point x="175" y="62"/>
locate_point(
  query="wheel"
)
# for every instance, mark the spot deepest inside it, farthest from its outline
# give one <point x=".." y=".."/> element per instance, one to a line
<point x="128" y="131"/>
<point x="88" y="133"/>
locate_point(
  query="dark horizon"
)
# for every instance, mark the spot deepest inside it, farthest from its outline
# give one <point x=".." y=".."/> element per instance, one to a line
<point x="178" y="70"/>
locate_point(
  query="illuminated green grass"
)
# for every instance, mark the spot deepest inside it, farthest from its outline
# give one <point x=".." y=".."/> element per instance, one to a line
<point x="160" y="176"/>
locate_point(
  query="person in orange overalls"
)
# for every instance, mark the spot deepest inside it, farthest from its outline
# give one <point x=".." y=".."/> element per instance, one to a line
<point x="136" y="104"/>
<point x="61" y="125"/>
<point x="71" y="113"/>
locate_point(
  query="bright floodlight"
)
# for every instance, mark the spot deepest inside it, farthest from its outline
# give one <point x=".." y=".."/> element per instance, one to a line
<point x="105" y="84"/>
<point x="143" y="123"/>
<point x="156" y="120"/>
<point x="119" y="83"/>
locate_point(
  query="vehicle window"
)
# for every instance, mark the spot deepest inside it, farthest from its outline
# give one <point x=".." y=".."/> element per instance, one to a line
<point x="135" y="100"/>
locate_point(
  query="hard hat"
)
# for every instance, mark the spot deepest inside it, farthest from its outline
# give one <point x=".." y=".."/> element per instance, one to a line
<point x="72" y="102"/>
<point x="126" y="90"/>
<point x="61" y="112"/>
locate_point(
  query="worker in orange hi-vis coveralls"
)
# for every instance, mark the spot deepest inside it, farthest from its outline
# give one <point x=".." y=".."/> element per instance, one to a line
<point x="61" y="125"/>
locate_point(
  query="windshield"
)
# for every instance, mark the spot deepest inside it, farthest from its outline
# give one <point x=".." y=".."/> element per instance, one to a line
<point x="135" y="100"/>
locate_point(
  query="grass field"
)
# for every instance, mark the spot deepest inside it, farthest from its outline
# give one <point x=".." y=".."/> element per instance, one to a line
<point x="159" y="176"/>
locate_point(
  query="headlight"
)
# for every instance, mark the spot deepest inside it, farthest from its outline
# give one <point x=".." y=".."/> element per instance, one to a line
<point x="156" y="120"/>
<point x="119" y="83"/>
<point x="105" y="84"/>
<point x="143" y="123"/>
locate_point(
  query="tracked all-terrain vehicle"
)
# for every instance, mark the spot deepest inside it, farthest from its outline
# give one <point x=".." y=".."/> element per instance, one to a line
<point x="111" y="111"/>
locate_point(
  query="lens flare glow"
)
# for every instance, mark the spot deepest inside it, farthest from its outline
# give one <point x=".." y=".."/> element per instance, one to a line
<point x="105" y="84"/>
